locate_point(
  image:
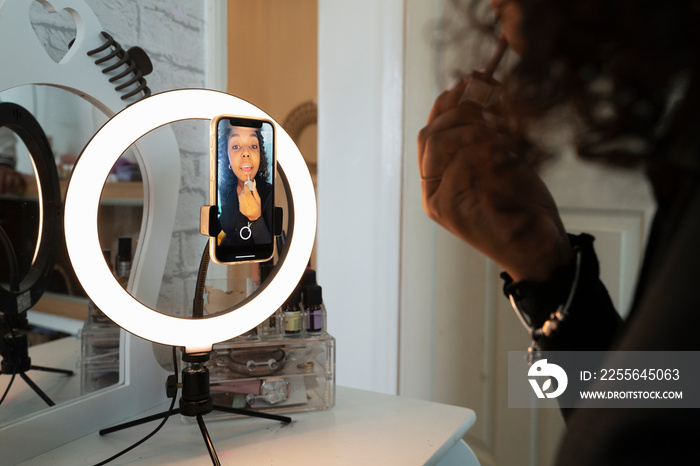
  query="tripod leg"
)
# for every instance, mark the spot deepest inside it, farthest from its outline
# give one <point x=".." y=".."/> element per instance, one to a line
<point x="138" y="422"/>
<point x="207" y="441"/>
<point x="251" y="413"/>
<point x="36" y="388"/>
<point x="7" y="390"/>
<point x="52" y="369"/>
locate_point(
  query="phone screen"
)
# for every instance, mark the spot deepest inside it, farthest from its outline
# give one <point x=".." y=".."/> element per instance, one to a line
<point x="243" y="188"/>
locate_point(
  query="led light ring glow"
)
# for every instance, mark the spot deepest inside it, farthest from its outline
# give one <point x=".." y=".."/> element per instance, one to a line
<point x="82" y="241"/>
<point x="32" y="135"/>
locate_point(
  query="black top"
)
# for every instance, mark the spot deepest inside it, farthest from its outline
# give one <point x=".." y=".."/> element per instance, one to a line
<point x="232" y="221"/>
<point x="665" y="315"/>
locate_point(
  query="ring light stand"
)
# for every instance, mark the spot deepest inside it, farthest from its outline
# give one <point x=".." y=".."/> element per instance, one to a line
<point x="196" y="335"/>
<point x="22" y="295"/>
<point x="82" y="241"/>
<point x="196" y="399"/>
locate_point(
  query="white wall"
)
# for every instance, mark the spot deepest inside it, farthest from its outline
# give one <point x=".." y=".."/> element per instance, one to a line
<point x="359" y="185"/>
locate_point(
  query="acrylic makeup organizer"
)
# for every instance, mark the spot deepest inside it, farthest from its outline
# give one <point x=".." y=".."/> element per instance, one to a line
<point x="271" y="371"/>
<point x="285" y="364"/>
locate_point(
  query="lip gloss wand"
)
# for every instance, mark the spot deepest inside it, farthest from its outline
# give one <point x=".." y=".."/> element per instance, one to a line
<point x="482" y="88"/>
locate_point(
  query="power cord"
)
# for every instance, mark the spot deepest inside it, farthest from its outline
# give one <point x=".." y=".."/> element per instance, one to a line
<point x="162" y="423"/>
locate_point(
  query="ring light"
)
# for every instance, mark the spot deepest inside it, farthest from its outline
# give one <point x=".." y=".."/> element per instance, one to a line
<point x="32" y="135"/>
<point x="82" y="241"/>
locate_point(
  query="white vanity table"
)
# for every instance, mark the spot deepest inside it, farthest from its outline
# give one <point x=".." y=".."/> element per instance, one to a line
<point x="364" y="428"/>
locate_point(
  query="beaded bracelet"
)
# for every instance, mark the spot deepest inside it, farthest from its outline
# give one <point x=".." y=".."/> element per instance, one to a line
<point x="556" y="318"/>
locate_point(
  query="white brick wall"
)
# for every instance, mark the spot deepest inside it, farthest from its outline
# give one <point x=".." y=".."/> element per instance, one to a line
<point x="172" y="32"/>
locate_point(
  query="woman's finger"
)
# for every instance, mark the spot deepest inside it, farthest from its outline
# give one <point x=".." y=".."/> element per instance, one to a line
<point x="458" y="116"/>
<point x="447" y="100"/>
<point x="441" y="148"/>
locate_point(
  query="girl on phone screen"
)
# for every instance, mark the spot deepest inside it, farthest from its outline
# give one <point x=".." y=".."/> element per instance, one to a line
<point x="245" y="190"/>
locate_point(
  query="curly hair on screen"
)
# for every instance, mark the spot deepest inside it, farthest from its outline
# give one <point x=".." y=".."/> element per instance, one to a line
<point x="226" y="177"/>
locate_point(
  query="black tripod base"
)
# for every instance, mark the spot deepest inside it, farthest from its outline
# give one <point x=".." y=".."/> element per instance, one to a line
<point x="52" y="369"/>
<point x="36" y="389"/>
<point x="200" y="422"/>
<point x="16" y="361"/>
<point x="34" y="386"/>
<point x="196" y="401"/>
<point x="161" y="415"/>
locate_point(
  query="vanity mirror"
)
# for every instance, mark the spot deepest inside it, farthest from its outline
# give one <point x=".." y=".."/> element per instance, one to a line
<point x="26" y="62"/>
<point x="57" y="320"/>
<point x="29" y="271"/>
<point x="69" y="122"/>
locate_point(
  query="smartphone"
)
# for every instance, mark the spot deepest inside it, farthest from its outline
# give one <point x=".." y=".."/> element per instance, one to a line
<point x="243" y="163"/>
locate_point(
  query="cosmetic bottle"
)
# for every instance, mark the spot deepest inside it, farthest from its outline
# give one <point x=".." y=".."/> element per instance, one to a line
<point x="482" y="88"/>
<point x="269" y="327"/>
<point x="123" y="261"/>
<point x="314" y="311"/>
<point x="94" y="314"/>
<point x="292" y="315"/>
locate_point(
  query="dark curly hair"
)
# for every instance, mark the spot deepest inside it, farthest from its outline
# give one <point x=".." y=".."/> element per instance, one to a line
<point x="226" y="177"/>
<point x="616" y="62"/>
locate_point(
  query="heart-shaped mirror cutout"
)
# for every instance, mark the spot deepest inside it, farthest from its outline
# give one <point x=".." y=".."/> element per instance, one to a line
<point x="54" y="29"/>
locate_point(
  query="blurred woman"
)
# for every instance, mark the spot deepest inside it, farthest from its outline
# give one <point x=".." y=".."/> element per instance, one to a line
<point x="630" y="71"/>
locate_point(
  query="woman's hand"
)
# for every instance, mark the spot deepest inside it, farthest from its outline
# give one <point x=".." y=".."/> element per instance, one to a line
<point x="486" y="195"/>
<point x="249" y="201"/>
